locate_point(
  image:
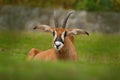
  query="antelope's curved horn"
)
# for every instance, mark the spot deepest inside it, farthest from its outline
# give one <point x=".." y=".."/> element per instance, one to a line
<point x="66" y="19"/>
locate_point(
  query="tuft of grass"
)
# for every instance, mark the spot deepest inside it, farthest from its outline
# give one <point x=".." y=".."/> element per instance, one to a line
<point x="99" y="58"/>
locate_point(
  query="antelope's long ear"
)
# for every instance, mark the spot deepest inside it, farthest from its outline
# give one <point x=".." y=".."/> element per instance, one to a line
<point x="45" y="28"/>
<point x="77" y="32"/>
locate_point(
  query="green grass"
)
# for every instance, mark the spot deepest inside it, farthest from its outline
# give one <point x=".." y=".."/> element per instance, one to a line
<point x="99" y="58"/>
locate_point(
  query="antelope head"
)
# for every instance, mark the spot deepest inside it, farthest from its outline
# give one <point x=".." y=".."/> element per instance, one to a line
<point x="60" y="33"/>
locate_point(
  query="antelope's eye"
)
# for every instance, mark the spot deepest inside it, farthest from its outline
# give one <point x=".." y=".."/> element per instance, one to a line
<point x="53" y="33"/>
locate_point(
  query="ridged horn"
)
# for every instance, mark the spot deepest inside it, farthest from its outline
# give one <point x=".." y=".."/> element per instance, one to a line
<point x="66" y="19"/>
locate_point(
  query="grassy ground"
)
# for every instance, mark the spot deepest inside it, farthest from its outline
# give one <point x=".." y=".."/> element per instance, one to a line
<point x="99" y="58"/>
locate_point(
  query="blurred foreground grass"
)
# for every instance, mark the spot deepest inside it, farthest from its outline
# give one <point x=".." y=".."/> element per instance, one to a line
<point x="99" y="58"/>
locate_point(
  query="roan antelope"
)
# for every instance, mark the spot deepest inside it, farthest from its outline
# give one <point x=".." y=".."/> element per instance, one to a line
<point x="63" y="42"/>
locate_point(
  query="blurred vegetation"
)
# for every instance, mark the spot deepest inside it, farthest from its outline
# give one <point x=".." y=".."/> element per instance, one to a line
<point x="99" y="58"/>
<point x="96" y="48"/>
<point x="90" y="5"/>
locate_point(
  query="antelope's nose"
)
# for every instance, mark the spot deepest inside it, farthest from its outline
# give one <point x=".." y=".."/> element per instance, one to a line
<point x="58" y="44"/>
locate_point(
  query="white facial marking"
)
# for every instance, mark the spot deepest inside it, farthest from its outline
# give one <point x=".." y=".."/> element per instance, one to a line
<point x="55" y="35"/>
<point x="62" y="36"/>
<point x="58" y="45"/>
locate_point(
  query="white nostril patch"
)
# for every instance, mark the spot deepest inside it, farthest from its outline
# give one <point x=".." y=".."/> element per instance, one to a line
<point x="57" y="43"/>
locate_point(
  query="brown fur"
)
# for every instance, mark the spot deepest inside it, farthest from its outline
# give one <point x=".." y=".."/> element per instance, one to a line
<point x="68" y="52"/>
